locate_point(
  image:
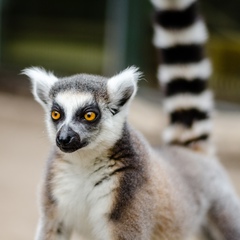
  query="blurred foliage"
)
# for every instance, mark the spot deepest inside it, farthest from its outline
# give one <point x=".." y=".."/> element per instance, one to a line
<point x="221" y="15"/>
<point x="68" y="47"/>
<point x="225" y="55"/>
<point x="69" y="37"/>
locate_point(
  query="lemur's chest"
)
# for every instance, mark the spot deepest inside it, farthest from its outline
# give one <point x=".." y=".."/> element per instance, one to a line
<point x="84" y="194"/>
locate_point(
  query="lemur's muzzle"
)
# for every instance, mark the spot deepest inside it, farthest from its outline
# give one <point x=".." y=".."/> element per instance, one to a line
<point x="68" y="140"/>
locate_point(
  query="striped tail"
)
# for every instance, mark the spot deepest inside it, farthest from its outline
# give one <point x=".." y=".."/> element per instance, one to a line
<point x="180" y="35"/>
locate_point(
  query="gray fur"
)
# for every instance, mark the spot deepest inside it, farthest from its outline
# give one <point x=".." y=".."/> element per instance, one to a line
<point x="117" y="186"/>
<point x="96" y="85"/>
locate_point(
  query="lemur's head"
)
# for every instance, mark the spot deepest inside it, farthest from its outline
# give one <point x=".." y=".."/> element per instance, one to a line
<point x="84" y="110"/>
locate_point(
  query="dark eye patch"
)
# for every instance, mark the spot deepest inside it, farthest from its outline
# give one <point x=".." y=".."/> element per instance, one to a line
<point x="79" y="115"/>
<point x="58" y="108"/>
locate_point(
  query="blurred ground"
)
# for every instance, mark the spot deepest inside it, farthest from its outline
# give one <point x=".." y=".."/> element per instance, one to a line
<point x="24" y="147"/>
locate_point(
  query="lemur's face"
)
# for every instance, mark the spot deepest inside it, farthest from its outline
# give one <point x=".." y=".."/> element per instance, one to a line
<point x="75" y="120"/>
<point x="84" y="111"/>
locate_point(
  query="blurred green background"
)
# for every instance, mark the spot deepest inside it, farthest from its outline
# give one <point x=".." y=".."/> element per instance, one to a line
<point x="103" y="37"/>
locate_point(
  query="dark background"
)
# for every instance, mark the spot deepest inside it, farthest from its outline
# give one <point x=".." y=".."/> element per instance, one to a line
<point x="103" y="37"/>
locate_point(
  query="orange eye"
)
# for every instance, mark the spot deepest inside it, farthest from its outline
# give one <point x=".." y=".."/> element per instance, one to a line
<point x="56" y="115"/>
<point x="90" y="116"/>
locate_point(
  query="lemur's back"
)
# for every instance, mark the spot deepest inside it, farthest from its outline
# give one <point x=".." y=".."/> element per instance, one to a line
<point x="195" y="189"/>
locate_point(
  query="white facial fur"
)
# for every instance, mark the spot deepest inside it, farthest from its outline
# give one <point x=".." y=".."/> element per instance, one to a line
<point x="111" y="126"/>
<point x="70" y="102"/>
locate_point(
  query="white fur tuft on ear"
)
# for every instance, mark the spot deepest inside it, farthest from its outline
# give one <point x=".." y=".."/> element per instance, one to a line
<point x="123" y="86"/>
<point x="42" y="81"/>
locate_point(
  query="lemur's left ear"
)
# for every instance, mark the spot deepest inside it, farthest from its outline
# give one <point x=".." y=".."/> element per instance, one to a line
<point x="122" y="87"/>
<point x="42" y="81"/>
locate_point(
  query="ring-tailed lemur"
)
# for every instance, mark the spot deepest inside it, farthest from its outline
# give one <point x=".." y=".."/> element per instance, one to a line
<point x="105" y="181"/>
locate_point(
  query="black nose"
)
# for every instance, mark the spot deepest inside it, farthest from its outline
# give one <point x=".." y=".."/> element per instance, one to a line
<point x="65" y="140"/>
<point x="68" y="140"/>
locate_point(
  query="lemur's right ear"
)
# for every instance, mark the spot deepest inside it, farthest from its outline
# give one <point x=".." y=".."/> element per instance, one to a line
<point x="42" y="81"/>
